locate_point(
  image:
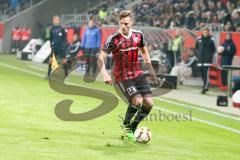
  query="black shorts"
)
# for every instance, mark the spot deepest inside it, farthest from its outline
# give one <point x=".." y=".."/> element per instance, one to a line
<point x="60" y="52"/>
<point x="132" y="87"/>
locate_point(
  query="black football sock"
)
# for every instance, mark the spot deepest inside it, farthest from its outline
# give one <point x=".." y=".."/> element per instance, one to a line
<point x="49" y="69"/>
<point x="141" y="114"/>
<point x="131" y="110"/>
<point x="65" y="68"/>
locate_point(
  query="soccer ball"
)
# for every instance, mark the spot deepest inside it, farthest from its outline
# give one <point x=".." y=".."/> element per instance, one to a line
<point x="143" y="135"/>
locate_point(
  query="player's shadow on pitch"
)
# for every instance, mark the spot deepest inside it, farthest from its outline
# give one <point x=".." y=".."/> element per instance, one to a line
<point x="113" y="147"/>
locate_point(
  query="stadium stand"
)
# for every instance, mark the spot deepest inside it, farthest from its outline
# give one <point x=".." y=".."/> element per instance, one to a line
<point x="177" y="13"/>
<point x="9" y="8"/>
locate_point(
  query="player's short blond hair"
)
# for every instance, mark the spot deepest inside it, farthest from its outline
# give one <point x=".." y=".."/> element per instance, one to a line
<point x="125" y="13"/>
<point x="56" y="16"/>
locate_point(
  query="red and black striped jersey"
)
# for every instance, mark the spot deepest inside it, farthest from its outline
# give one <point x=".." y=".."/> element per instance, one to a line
<point x="125" y="54"/>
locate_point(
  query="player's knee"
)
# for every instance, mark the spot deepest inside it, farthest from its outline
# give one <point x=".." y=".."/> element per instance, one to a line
<point x="148" y="102"/>
<point x="137" y="101"/>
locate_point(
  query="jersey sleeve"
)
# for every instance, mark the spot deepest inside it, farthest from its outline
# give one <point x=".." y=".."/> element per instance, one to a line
<point x="142" y="41"/>
<point x="109" y="45"/>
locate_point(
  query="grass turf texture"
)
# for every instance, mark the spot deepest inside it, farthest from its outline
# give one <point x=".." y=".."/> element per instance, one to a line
<point x="29" y="128"/>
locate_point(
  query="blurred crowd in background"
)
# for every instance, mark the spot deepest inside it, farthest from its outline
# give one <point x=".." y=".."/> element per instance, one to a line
<point x="9" y="8"/>
<point x="176" y="13"/>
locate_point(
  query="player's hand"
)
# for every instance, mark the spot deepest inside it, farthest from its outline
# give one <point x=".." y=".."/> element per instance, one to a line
<point x="108" y="80"/>
<point x="64" y="60"/>
<point x="153" y="76"/>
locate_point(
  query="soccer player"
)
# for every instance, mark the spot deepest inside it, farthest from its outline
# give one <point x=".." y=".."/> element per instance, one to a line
<point x="58" y="42"/>
<point x="125" y="44"/>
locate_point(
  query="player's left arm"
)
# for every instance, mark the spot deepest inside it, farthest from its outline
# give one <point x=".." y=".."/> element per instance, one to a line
<point x="147" y="61"/>
<point x="146" y="57"/>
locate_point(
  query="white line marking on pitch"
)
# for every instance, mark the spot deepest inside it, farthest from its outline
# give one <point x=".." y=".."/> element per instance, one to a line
<point x="197" y="119"/>
<point x="202" y="121"/>
<point x="20" y="69"/>
<point x="38" y="68"/>
<point x="198" y="108"/>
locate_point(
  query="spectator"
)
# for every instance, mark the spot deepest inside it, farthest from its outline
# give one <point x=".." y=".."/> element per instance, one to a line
<point x="91" y="44"/>
<point x="47" y="30"/>
<point x="205" y="47"/>
<point x="26" y="34"/>
<point x="177" y="46"/>
<point x="177" y="20"/>
<point x="228" y="27"/>
<point x="16" y="37"/>
<point x="102" y="14"/>
<point x="14" y="3"/>
<point x="191" y="20"/>
<point x="229" y="50"/>
<point x="238" y="29"/>
<point x="220" y="7"/>
<point x="236" y="18"/>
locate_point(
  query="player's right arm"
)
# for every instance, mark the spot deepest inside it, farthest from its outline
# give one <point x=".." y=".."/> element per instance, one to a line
<point x="107" y="48"/>
<point x="101" y="65"/>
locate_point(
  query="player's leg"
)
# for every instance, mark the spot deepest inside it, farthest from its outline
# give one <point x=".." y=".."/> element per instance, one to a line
<point x="94" y="61"/>
<point x="207" y="78"/>
<point x="147" y="101"/>
<point x="143" y="111"/>
<point x="134" y="98"/>
<point x="64" y="64"/>
<point x="203" y="78"/>
<point x="49" y="67"/>
<point x="134" y="105"/>
<point x="135" y="101"/>
<point x="63" y="59"/>
<point x="87" y="56"/>
<point x="65" y="68"/>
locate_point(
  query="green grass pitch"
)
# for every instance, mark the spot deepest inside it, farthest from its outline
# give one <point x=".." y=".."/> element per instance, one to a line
<point x="30" y="130"/>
